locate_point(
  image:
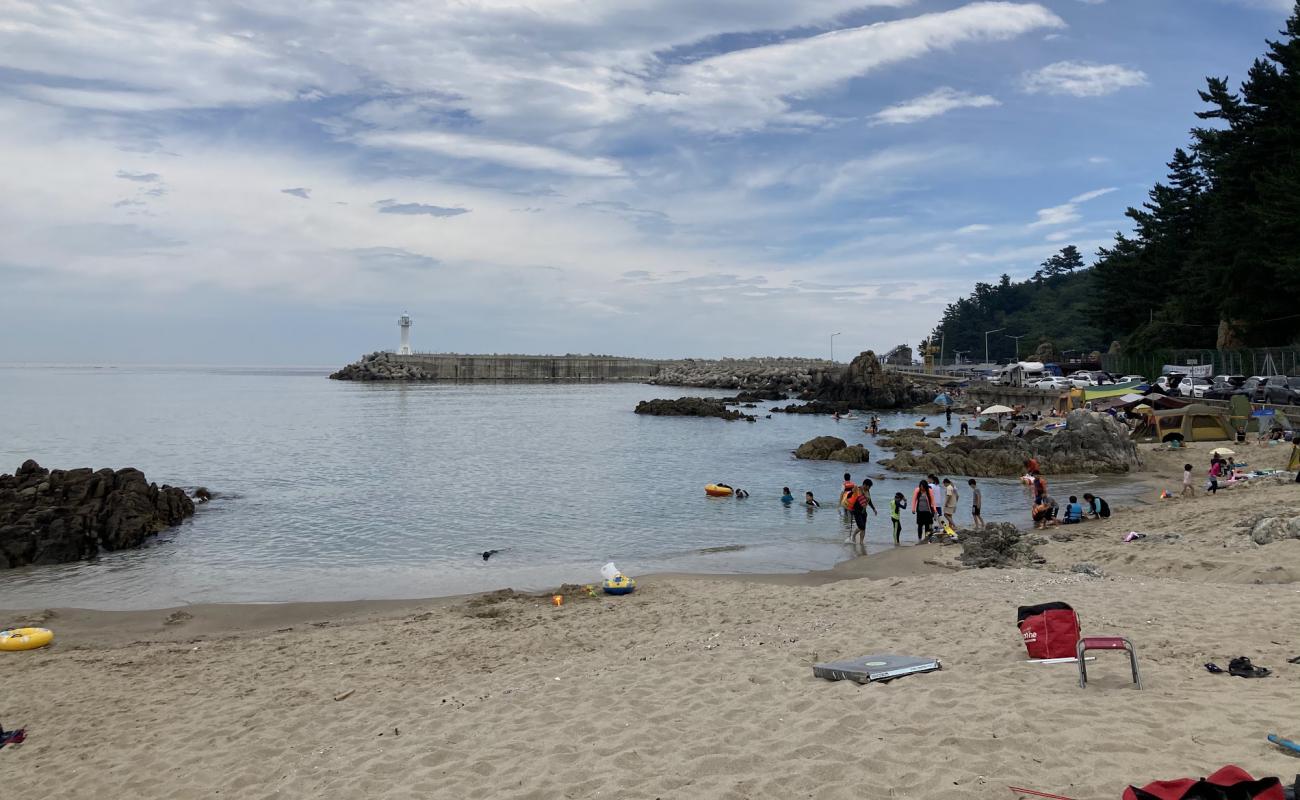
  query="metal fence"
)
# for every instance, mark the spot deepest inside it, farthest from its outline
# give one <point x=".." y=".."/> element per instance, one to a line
<point x="1251" y="361"/>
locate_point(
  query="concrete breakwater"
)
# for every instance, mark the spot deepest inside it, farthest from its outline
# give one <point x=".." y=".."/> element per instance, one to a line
<point x="521" y="368"/>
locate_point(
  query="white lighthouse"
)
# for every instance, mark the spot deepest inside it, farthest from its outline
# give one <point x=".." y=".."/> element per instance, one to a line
<point x="404" y="323"/>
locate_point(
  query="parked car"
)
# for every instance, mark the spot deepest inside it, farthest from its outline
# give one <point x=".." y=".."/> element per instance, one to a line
<point x="1053" y="384"/>
<point x="1260" y="392"/>
<point x="1235" y="380"/>
<point x="1193" y="387"/>
<point x="1132" y="379"/>
<point x="1282" y="390"/>
<point x="1226" y="390"/>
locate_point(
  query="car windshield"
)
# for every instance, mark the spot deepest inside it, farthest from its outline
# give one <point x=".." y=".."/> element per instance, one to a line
<point x="1295" y="383"/>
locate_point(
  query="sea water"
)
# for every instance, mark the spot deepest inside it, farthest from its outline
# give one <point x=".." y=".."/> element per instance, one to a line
<point x="329" y="490"/>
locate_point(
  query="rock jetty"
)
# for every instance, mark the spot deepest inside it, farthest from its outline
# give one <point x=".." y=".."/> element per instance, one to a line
<point x="381" y="367"/>
<point x="691" y="407"/>
<point x="784" y="375"/>
<point x="832" y="448"/>
<point x="56" y="516"/>
<point x="1089" y="443"/>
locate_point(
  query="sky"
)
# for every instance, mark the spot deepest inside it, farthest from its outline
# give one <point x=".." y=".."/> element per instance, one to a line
<point x="249" y="183"/>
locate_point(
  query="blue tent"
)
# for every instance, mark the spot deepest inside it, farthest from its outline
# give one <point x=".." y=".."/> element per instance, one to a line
<point x="943" y="399"/>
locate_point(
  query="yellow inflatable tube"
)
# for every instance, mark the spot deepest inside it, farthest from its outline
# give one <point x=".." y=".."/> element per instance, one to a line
<point x="713" y="490"/>
<point x="25" y="638"/>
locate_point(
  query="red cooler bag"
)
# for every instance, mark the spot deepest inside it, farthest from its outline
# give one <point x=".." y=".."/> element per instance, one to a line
<point x="1230" y="783"/>
<point x="1050" y="630"/>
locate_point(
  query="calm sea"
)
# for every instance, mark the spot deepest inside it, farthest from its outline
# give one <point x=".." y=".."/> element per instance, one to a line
<point x="333" y="491"/>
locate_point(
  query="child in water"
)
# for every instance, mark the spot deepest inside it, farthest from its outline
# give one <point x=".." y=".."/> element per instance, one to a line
<point x="810" y="501"/>
<point x="896" y="505"/>
<point x="786" y="497"/>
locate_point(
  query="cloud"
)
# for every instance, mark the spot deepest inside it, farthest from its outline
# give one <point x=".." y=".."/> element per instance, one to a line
<point x="139" y="177"/>
<point x="298" y="191"/>
<point x="1067" y="212"/>
<point x="751" y="88"/>
<point x="510" y="154"/>
<point x="392" y="207"/>
<point x="1082" y="79"/>
<point x="391" y="259"/>
<point x="976" y="228"/>
<point x="934" y="104"/>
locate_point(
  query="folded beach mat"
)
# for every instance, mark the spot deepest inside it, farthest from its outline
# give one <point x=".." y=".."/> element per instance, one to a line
<point x="874" y="669"/>
<point x="1230" y="783"/>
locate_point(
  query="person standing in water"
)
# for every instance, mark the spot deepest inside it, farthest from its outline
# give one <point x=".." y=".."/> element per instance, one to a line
<point x="866" y="492"/>
<point x="976" y="504"/>
<point x="965" y="429"/>
<point x="786" y="497"/>
<point x="923" y="510"/>
<point x="858" y="508"/>
<point x="810" y="501"/>
<point x="895" y="506"/>
<point x="846" y="490"/>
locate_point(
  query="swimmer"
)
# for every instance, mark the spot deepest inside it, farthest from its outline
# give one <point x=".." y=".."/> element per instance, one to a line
<point x="810" y="501"/>
<point x="786" y="497"/>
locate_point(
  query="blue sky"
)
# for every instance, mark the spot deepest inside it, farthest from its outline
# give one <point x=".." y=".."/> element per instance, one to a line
<point x="222" y="183"/>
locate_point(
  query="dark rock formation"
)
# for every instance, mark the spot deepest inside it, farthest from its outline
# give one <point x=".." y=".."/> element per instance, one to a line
<point x="999" y="544"/>
<point x="690" y="407"/>
<point x="55" y="516"/>
<point x="815" y="407"/>
<point x="831" y="448"/>
<point x="1089" y="443"/>
<point x="865" y="384"/>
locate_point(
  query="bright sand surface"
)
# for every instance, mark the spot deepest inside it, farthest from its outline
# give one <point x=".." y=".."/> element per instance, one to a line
<point x="693" y="687"/>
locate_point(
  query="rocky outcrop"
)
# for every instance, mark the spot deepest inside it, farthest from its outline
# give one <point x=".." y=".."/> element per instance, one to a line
<point x="781" y="375"/>
<point x="998" y="544"/>
<point x="56" y="516"/>
<point x="691" y="407"/>
<point x="1089" y="443"/>
<point x="866" y="384"/>
<point x="815" y="407"/>
<point x="1275" y="529"/>
<point x="831" y="448"/>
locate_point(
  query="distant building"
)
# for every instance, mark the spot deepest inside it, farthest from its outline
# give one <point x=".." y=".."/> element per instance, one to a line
<point x="900" y="356"/>
<point x="404" y="324"/>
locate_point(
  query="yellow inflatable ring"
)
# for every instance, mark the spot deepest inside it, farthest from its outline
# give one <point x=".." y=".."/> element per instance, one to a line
<point x="921" y="424"/>
<point x="713" y="490"/>
<point x="620" y="584"/>
<point x="25" y="638"/>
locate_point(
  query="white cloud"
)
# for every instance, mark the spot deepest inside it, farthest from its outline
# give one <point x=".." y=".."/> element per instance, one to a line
<point x="1082" y="79"/>
<point x="748" y="89"/>
<point x="976" y="228"/>
<point x="511" y="154"/>
<point x="938" y="102"/>
<point x="1067" y="212"/>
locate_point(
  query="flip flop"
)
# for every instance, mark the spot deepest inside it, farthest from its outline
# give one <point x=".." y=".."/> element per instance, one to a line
<point x="12" y="737"/>
<point x="1215" y="668"/>
<point x="1242" y="668"/>
<point x="1295" y="660"/>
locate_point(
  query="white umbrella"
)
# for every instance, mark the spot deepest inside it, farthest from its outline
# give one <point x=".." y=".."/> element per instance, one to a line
<point x="997" y="410"/>
<point x="1222" y="451"/>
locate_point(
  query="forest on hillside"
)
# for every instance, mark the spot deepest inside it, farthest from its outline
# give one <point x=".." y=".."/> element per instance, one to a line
<point x="1213" y="259"/>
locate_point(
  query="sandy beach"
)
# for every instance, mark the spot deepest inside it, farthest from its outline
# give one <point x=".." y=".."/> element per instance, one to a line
<point x="695" y="687"/>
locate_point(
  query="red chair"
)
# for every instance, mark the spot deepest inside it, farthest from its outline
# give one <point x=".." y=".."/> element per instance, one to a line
<point x="1087" y="643"/>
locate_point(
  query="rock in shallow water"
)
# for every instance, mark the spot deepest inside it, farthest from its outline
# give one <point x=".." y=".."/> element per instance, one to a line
<point x="56" y="516"/>
<point x="832" y="448"/>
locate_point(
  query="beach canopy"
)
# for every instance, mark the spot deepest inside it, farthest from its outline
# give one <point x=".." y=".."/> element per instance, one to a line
<point x="1222" y="451"/>
<point x="943" y="399"/>
<point x="997" y="410"/>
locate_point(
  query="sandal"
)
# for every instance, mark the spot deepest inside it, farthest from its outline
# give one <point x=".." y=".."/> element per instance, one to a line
<point x="1242" y="668"/>
<point x="1215" y="668"/>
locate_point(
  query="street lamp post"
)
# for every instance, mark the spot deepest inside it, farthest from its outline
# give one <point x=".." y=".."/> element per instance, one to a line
<point x="1017" y="338"/>
<point x="986" y="342"/>
<point x="833" y="335"/>
<point x="959" y="354"/>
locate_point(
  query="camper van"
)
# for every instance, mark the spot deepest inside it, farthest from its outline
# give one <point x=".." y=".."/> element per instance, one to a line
<point x="1021" y="373"/>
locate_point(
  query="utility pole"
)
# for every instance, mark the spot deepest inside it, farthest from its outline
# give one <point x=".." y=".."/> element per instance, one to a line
<point x="833" y="335"/>
<point x="1017" y="338"/>
<point x="959" y="354"/>
<point x="986" y="343"/>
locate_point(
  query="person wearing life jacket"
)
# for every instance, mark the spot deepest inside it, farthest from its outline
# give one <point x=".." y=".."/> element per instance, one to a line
<point x="857" y="505"/>
<point x="1097" y="507"/>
